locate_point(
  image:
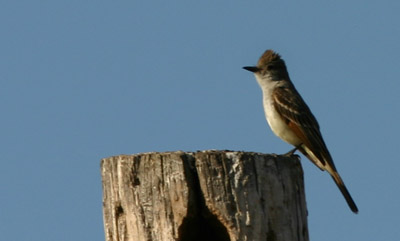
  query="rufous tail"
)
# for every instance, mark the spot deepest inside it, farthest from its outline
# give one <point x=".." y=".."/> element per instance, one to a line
<point x="339" y="182"/>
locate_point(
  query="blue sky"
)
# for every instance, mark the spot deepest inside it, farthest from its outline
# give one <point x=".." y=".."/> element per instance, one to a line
<point x="84" y="80"/>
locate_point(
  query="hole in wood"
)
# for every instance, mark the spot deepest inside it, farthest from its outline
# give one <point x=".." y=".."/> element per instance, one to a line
<point x="199" y="224"/>
<point x="204" y="226"/>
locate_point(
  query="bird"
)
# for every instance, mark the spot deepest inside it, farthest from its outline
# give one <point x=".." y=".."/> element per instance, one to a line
<point x="291" y="119"/>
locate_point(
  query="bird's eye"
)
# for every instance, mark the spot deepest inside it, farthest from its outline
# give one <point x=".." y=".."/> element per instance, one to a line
<point x="271" y="67"/>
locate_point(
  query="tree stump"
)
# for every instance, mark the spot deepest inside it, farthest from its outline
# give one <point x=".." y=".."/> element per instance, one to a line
<point x="205" y="195"/>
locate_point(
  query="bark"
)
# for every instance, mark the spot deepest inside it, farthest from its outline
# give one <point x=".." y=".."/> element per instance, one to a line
<point x="205" y="195"/>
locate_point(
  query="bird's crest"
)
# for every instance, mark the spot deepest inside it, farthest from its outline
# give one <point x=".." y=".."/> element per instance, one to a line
<point x="268" y="57"/>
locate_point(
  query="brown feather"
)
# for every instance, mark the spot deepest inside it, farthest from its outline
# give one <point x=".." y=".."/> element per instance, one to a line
<point x="267" y="57"/>
<point x="298" y="117"/>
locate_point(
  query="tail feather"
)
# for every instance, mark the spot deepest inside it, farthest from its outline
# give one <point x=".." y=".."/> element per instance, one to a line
<point x="327" y="165"/>
<point x="339" y="182"/>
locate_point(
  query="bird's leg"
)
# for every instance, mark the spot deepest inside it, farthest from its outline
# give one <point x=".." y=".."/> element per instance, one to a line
<point x="291" y="152"/>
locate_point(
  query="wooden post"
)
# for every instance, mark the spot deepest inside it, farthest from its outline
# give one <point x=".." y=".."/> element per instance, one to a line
<point x="205" y="195"/>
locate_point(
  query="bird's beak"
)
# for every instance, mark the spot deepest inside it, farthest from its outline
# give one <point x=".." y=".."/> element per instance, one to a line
<point x="251" y="68"/>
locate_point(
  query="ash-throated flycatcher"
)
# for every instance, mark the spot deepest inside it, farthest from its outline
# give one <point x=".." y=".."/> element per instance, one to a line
<point x="290" y="118"/>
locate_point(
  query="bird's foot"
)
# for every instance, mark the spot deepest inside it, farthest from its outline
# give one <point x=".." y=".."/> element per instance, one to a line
<point x="291" y="152"/>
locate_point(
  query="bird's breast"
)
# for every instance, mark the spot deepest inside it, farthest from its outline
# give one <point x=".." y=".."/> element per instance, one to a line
<point x="277" y="124"/>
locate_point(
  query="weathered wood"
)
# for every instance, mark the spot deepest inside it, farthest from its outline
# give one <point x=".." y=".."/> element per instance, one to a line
<point x="206" y="195"/>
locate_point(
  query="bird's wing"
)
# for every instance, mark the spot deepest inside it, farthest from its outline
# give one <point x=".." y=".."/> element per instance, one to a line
<point x="299" y="118"/>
